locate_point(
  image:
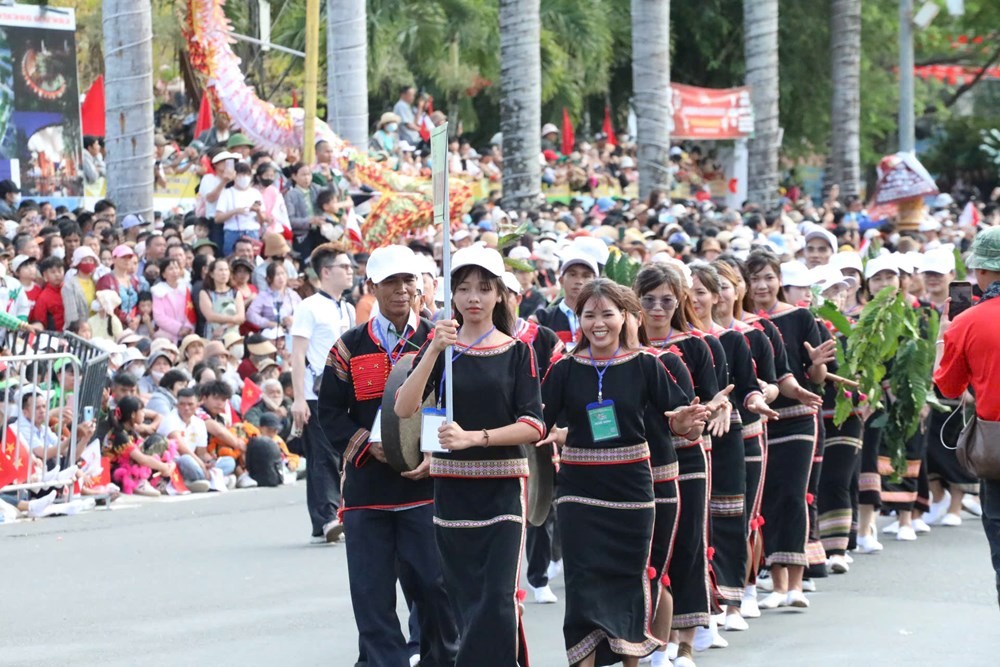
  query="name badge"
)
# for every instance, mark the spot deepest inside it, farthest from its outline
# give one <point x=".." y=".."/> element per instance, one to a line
<point x="431" y="419"/>
<point x="603" y="422"/>
<point x="376" y="432"/>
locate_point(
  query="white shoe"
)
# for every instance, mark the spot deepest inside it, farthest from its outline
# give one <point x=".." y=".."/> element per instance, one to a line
<point x="414" y="660"/>
<point x="684" y="662"/>
<point x="544" y="595"/>
<point x="748" y="606"/>
<point x="246" y="481"/>
<point x="906" y="534"/>
<point x="706" y="638"/>
<point x="659" y="659"/>
<point x="735" y="623"/>
<point x="891" y="529"/>
<point x="37" y="507"/>
<point x="332" y="531"/>
<point x="868" y="545"/>
<point x="950" y="519"/>
<point x="317" y="539"/>
<point x="971" y="505"/>
<point x="921" y="526"/>
<point x="765" y="585"/>
<point x="838" y="564"/>
<point x="847" y="557"/>
<point x="773" y="601"/>
<point x="554" y="570"/>
<point x="230" y="482"/>
<point x="78" y="505"/>
<point x="938" y="509"/>
<point x="796" y="599"/>
<point x="672" y="648"/>
<point x="809" y="586"/>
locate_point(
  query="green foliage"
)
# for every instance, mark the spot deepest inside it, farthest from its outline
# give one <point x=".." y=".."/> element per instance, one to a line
<point x="829" y="312"/>
<point x="961" y="272"/>
<point x="621" y="268"/>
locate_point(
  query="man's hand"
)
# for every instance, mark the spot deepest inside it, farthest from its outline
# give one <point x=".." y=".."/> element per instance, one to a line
<point x="377" y="451"/>
<point x="300" y="413"/>
<point x="422" y="471"/>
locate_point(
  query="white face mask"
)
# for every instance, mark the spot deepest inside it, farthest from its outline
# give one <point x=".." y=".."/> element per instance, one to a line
<point x="59" y="252"/>
<point x="156" y="375"/>
<point x="237" y="352"/>
<point x="243" y="182"/>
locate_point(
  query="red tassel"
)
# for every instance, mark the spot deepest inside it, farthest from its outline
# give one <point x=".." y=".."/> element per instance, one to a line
<point x="521" y="594"/>
<point x="665" y="580"/>
<point x="651" y="572"/>
<point x="809" y="498"/>
<point x="710" y="553"/>
<point x="760" y="522"/>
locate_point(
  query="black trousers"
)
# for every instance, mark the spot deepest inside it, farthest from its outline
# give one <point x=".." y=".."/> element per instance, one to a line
<point x="322" y="473"/>
<point x="989" y="496"/>
<point x="378" y="539"/>
<point x="542" y="545"/>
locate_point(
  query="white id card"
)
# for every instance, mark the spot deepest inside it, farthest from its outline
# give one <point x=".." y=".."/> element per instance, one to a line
<point x="376" y="432"/>
<point x="431" y="419"/>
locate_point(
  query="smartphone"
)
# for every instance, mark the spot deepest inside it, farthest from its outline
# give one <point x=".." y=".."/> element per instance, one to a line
<point x="88" y="413"/>
<point x="960" y="293"/>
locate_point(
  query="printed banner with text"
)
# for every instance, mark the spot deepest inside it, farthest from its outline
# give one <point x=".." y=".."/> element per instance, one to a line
<point x="711" y="114"/>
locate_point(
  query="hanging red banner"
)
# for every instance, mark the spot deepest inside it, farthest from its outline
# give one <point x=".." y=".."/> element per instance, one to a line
<point x="711" y="114"/>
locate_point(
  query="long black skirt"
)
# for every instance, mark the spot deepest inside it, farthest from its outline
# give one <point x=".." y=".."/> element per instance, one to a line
<point x="689" y="564"/>
<point x="755" y="456"/>
<point x="869" y="480"/>
<point x="479" y="524"/>
<point x="727" y="507"/>
<point x="840" y="469"/>
<point x="605" y="515"/>
<point x="667" y="500"/>
<point x="791" y="442"/>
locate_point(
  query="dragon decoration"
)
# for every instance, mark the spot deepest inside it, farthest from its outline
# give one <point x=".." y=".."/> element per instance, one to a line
<point x="404" y="205"/>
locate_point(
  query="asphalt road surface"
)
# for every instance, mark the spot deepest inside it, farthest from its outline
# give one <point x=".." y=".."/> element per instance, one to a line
<point x="230" y="579"/>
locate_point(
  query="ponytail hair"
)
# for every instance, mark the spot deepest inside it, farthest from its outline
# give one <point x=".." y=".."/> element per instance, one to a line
<point x="121" y="417"/>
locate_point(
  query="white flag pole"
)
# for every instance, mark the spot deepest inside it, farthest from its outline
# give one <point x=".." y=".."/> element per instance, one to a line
<point x="442" y="217"/>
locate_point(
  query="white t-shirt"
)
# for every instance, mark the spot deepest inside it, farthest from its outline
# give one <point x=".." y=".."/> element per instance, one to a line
<point x="322" y="321"/>
<point x="208" y="183"/>
<point x="234" y="198"/>
<point x="195" y="434"/>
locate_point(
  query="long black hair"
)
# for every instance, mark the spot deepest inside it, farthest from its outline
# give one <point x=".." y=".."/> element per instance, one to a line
<point x="502" y="319"/>
<point x="120" y="419"/>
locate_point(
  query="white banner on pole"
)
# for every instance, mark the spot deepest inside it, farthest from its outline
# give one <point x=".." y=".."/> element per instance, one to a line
<point x="442" y="215"/>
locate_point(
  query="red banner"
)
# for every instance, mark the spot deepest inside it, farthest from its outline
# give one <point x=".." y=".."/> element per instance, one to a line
<point x="711" y="114"/>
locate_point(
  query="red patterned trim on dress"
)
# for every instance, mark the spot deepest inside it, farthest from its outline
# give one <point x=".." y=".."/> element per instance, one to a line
<point x="489" y="468"/>
<point x="468" y="523"/>
<point x="538" y="425"/>
<point x="722" y="506"/>
<point x="667" y="473"/>
<point x="359" y="438"/>
<point x="606" y="504"/>
<point x="869" y="481"/>
<point x="681" y="442"/>
<point x="844" y="440"/>
<point x="788" y="558"/>
<point x="370" y="372"/>
<point x="613" y="361"/>
<point x="490" y="351"/>
<point x="795" y="411"/>
<point x="752" y="430"/>
<point x="605" y="456"/>
<point x="338" y="359"/>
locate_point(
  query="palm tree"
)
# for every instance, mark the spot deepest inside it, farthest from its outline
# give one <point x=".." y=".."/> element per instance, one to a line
<point x="651" y="86"/>
<point x="347" y="70"/>
<point x="520" y="102"/>
<point x="128" y="92"/>
<point x="845" y="139"/>
<point x="760" y="47"/>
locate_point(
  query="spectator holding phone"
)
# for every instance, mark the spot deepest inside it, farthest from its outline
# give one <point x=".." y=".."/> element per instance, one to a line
<point x="240" y="210"/>
<point x="971" y="359"/>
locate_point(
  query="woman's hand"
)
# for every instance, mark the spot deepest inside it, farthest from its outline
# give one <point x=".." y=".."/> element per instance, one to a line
<point x="445" y="334"/>
<point x="807" y="398"/>
<point x="556" y="436"/>
<point x="452" y="437"/>
<point x="823" y="354"/>
<point x="422" y="471"/>
<point x="167" y="470"/>
<point x="721" y="400"/>
<point x="757" y="404"/>
<point x="690" y="417"/>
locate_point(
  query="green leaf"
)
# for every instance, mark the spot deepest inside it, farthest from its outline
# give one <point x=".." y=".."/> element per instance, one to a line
<point x="517" y="265"/>
<point x="828" y="311"/>
<point x="960" y="271"/>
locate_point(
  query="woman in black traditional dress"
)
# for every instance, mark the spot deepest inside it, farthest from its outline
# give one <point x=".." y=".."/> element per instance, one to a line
<point x="605" y="488"/>
<point x="479" y="491"/>
<point x="728" y="500"/>
<point x="791" y="441"/>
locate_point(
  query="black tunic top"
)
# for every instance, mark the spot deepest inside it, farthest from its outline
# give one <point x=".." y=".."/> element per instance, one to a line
<point x="797" y="327"/>
<point x="661" y="445"/>
<point x="494" y="387"/>
<point x="697" y="356"/>
<point x="762" y="354"/>
<point x="741" y="372"/>
<point x="349" y="398"/>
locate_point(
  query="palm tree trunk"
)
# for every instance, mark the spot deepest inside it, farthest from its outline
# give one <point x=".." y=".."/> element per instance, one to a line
<point x="651" y="86"/>
<point x="760" y="28"/>
<point x="128" y="92"/>
<point x="347" y="70"/>
<point x="845" y="139"/>
<point x="520" y="102"/>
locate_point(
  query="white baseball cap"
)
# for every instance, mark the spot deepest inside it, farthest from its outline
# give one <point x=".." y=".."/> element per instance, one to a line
<point x="815" y="231"/>
<point x="939" y="260"/>
<point x="226" y="155"/>
<point x="575" y="256"/>
<point x="826" y="277"/>
<point x="481" y="256"/>
<point x="904" y="263"/>
<point x="82" y="253"/>
<point x="848" y="260"/>
<point x="390" y="261"/>
<point x="510" y="280"/>
<point x="881" y="263"/>
<point x="795" y="274"/>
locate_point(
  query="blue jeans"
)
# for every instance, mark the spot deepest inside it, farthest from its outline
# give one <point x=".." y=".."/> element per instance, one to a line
<point x="231" y="236"/>
<point x="191" y="471"/>
<point x="989" y="498"/>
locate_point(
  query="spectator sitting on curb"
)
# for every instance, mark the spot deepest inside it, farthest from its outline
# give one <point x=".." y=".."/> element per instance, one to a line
<point x="273" y="401"/>
<point x="190" y="433"/>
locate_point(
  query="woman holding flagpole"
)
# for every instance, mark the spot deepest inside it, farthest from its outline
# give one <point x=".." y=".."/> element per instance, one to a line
<point x="480" y="468"/>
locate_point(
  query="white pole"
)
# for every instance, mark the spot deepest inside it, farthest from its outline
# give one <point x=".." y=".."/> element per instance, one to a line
<point x="907" y="138"/>
<point x="439" y="172"/>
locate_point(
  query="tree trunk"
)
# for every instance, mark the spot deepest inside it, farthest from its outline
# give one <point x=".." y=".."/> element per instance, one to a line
<point x="760" y="27"/>
<point x="520" y="102"/>
<point x="128" y="92"/>
<point x="845" y="139"/>
<point x="651" y="86"/>
<point x="347" y="70"/>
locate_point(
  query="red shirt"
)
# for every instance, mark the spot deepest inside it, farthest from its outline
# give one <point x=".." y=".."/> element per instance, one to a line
<point x="48" y="309"/>
<point x="972" y="356"/>
<point x="246" y="369"/>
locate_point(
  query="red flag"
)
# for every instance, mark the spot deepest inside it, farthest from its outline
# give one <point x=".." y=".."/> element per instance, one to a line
<point x="92" y="110"/>
<point x="204" y="115"/>
<point x="609" y="128"/>
<point x="295" y="99"/>
<point x="568" y="138"/>
<point x="251" y="394"/>
<point x="13" y="459"/>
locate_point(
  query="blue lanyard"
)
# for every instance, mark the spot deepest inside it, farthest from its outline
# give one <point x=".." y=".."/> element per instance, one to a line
<point x="384" y="340"/>
<point x="601" y="372"/>
<point x="456" y="355"/>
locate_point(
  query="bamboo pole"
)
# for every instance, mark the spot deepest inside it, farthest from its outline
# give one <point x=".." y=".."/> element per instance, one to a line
<point x="312" y="81"/>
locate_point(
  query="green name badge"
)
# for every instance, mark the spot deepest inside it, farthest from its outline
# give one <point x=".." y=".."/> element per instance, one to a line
<point x="603" y="422"/>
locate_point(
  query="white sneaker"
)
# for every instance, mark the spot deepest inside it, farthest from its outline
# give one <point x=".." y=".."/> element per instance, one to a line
<point x="950" y="519"/>
<point x="317" y="539"/>
<point x="847" y="557"/>
<point x="971" y="505"/>
<point x="773" y="601"/>
<point x="332" y="531"/>
<point x="684" y="662"/>
<point x="659" y="659"/>
<point x="78" y="505"/>
<point x="544" y="595"/>
<point x="748" y="606"/>
<point x="838" y="564"/>
<point x="809" y="585"/>
<point x="246" y="481"/>
<point x="706" y="638"/>
<point x="230" y="482"/>
<point x="735" y="623"/>
<point x="414" y="660"/>
<point x="921" y="526"/>
<point x="37" y="507"/>
<point x="765" y="584"/>
<point x="672" y="648"/>
<point x="891" y="529"/>
<point x="938" y="509"/>
<point x="554" y="570"/>
<point x="796" y="599"/>
<point x="906" y="534"/>
<point x="868" y="545"/>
